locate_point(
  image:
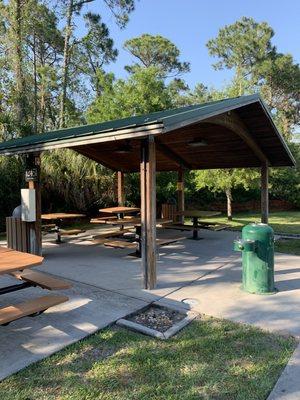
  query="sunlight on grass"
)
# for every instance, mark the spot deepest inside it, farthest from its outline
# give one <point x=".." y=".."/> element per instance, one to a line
<point x="210" y="359"/>
<point x="281" y="221"/>
<point x="290" y="246"/>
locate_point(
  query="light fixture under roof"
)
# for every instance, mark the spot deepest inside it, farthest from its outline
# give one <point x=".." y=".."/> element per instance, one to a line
<point x="197" y="143"/>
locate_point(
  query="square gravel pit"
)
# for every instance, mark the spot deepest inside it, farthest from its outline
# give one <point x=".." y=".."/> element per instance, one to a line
<point x="158" y="321"/>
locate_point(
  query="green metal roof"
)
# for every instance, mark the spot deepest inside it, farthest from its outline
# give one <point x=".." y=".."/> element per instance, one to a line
<point x="168" y="118"/>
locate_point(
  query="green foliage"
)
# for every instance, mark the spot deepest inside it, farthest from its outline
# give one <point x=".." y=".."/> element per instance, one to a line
<point x="285" y="182"/>
<point x="220" y="180"/>
<point x="121" y="9"/>
<point x="73" y="182"/>
<point x="246" y="47"/>
<point x="280" y="86"/>
<point x="94" y="50"/>
<point x="156" y="51"/>
<point x="143" y="92"/>
<point x="11" y="174"/>
<point x="242" y="45"/>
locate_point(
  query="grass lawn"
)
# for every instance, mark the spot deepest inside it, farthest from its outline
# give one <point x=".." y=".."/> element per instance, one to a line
<point x="281" y="221"/>
<point x="210" y="359"/>
<point x="290" y="246"/>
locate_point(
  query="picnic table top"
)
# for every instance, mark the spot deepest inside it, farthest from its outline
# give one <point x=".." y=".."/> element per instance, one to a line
<point x="200" y="213"/>
<point x="62" y="216"/>
<point x="12" y="260"/>
<point x="119" y="210"/>
<point x="4" y="249"/>
<point x="137" y="221"/>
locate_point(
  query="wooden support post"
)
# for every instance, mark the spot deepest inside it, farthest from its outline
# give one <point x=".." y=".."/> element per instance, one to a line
<point x="148" y="212"/>
<point x="35" y="239"/>
<point x="180" y="195"/>
<point x="120" y="188"/>
<point x="265" y="193"/>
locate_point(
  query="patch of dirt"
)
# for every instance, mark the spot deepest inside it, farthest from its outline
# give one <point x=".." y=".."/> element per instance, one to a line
<point x="157" y="318"/>
<point x="97" y="353"/>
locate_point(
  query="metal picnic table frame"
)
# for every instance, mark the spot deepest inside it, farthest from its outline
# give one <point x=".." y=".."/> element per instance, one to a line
<point x="136" y="222"/>
<point x="195" y="215"/>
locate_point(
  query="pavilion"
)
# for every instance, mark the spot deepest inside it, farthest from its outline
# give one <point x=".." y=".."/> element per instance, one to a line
<point x="231" y="133"/>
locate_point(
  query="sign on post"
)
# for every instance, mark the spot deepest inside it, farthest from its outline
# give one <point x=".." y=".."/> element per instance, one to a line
<point x="31" y="175"/>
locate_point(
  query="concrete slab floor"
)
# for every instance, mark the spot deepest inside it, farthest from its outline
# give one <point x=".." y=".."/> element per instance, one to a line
<point x="107" y="286"/>
<point x="219" y="294"/>
<point x="30" y="339"/>
<point x="113" y="269"/>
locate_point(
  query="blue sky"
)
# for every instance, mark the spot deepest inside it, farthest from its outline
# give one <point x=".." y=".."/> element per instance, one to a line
<point x="191" y="23"/>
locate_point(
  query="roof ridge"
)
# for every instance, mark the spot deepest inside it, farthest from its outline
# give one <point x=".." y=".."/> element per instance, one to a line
<point x="204" y="105"/>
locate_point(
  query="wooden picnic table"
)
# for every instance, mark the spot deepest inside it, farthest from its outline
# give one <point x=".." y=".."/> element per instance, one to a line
<point x="13" y="260"/>
<point x="14" y="263"/>
<point x="136" y="222"/>
<point x="4" y="249"/>
<point x="195" y="215"/>
<point x="120" y="211"/>
<point x="59" y="218"/>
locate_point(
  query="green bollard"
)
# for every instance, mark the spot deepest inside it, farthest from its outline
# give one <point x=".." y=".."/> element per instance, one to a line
<point x="257" y="247"/>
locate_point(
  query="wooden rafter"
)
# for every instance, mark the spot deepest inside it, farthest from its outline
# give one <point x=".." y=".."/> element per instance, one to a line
<point x="233" y="122"/>
<point x="171" y="155"/>
<point x="93" y="156"/>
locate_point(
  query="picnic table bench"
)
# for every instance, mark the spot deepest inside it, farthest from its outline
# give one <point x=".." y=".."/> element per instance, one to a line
<point x="136" y="223"/>
<point x="18" y="264"/>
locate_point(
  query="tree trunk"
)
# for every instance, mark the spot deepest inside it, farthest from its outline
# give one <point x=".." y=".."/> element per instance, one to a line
<point x="65" y="68"/>
<point x="18" y="66"/>
<point x="35" y="110"/>
<point x="229" y="200"/>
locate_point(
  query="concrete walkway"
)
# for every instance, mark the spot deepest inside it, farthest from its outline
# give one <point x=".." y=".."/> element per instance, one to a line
<point x="31" y="339"/>
<point x="107" y="286"/>
<point x="288" y="385"/>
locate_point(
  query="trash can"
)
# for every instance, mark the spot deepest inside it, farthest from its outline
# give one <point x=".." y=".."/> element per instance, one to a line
<point x="257" y="247"/>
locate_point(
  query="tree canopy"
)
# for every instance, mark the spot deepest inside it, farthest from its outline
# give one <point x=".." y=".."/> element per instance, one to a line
<point x="53" y="74"/>
<point x="156" y="51"/>
<point x="246" y="47"/>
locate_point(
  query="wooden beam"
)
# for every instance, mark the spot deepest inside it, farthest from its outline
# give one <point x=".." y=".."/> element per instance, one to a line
<point x="233" y="122"/>
<point x="180" y="195"/>
<point x="171" y="155"/>
<point x="120" y="188"/>
<point x="148" y="211"/>
<point x="265" y="193"/>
